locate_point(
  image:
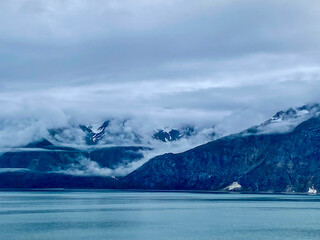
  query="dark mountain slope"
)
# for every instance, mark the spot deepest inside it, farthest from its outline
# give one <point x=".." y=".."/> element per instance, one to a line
<point x="33" y="179"/>
<point x="275" y="162"/>
<point x="114" y="157"/>
<point x="54" y="158"/>
<point x="42" y="160"/>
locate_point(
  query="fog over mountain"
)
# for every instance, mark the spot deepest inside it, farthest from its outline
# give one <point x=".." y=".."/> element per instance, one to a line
<point x="159" y="119"/>
<point x="156" y="64"/>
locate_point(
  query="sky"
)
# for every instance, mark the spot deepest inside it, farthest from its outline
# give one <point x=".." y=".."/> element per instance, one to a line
<point x="161" y="62"/>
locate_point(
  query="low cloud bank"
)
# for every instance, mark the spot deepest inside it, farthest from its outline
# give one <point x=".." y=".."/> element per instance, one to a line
<point x="157" y="63"/>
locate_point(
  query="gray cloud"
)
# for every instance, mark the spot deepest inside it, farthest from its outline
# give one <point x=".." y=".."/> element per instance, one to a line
<point x="163" y="63"/>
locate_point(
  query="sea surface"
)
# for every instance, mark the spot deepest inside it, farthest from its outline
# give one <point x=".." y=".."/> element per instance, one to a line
<point x="129" y="215"/>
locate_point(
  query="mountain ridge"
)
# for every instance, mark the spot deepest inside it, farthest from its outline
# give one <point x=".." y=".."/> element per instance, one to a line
<point x="238" y="158"/>
<point x="254" y="160"/>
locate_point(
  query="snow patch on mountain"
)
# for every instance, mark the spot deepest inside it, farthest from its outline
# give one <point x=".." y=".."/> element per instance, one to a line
<point x="285" y="120"/>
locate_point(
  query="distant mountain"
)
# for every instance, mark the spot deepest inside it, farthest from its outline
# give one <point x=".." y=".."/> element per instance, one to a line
<point x="174" y="134"/>
<point x="120" y="132"/>
<point x="42" y="164"/>
<point x="280" y="155"/>
<point x="286" y="120"/>
<point x="43" y="143"/>
<point x="255" y="162"/>
<point x="110" y="149"/>
<point x="117" y="132"/>
<point x="43" y="156"/>
<point x="110" y="134"/>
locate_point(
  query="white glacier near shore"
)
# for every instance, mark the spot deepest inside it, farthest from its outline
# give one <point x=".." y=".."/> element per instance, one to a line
<point x="312" y="190"/>
<point x="234" y="186"/>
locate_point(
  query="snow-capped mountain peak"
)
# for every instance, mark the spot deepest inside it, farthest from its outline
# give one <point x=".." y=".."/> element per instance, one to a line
<point x="286" y="120"/>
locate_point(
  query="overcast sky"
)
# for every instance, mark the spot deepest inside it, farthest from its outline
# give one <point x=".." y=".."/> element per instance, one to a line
<point x="165" y="61"/>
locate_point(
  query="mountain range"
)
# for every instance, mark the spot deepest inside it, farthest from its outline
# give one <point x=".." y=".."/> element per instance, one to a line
<point x="280" y="155"/>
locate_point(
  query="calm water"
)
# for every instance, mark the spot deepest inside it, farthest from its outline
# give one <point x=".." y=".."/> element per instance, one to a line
<point x="157" y="215"/>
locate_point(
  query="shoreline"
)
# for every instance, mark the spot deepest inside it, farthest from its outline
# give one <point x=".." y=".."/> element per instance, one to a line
<point x="151" y="191"/>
